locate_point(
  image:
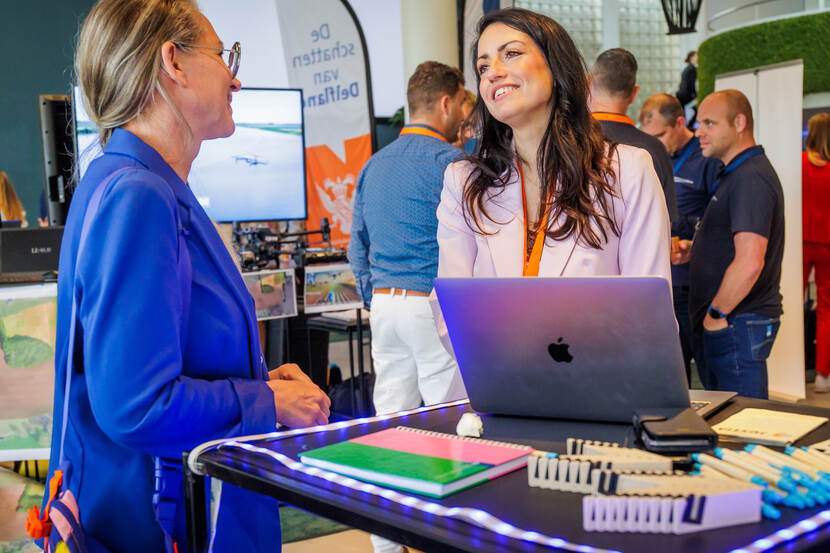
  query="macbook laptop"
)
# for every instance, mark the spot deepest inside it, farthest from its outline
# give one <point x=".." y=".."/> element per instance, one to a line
<point x="590" y="348"/>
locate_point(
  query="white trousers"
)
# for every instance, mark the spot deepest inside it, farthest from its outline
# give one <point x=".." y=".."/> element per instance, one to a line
<point x="411" y="364"/>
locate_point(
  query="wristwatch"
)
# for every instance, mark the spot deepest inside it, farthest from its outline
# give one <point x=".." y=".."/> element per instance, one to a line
<point x="716" y="313"/>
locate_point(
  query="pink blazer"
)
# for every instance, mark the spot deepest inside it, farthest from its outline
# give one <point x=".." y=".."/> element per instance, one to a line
<point x="642" y="248"/>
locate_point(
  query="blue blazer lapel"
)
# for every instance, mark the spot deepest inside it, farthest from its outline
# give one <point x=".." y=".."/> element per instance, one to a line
<point x="203" y="228"/>
<point x="125" y="143"/>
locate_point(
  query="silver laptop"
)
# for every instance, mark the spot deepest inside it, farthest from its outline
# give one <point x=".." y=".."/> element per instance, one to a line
<point x="591" y="348"/>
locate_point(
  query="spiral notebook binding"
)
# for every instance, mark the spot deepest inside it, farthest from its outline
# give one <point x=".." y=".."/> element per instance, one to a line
<point x="461" y="438"/>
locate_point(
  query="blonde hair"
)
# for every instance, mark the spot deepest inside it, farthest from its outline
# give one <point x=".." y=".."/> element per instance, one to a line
<point x="818" y="135"/>
<point x="9" y="202"/>
<point x="118" y="57"/>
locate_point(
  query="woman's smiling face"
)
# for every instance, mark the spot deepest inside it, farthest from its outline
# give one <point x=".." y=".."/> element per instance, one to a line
<point x="516" y="82"/>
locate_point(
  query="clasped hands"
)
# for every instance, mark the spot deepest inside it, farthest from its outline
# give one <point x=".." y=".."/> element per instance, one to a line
<point x="298" y="401"/>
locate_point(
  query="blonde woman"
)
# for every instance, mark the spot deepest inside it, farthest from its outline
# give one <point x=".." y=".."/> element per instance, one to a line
<point x="815" y="178"/>
<point x="10" y="207"/>
<point x="166" y="349"/>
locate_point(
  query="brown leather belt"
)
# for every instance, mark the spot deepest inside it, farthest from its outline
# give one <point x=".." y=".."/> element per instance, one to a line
<point x="400" y="292"/>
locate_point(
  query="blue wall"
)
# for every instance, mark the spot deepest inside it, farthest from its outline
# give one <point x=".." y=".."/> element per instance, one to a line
<point x="37" y="41"/>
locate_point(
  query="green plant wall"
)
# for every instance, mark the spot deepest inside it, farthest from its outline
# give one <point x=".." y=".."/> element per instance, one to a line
<point x="806" y="37"/>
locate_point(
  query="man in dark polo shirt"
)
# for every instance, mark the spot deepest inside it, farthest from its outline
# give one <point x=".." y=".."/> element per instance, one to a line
<point x="694" y="183"/>
<point x="613" y="88"/>
<point x="735" y="267"/>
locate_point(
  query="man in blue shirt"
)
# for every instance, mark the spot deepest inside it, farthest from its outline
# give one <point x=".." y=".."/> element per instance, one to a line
<point x="394" y="251"/>
<point x="695" y="178"/>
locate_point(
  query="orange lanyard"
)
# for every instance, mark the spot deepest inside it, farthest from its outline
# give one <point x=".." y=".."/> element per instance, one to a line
<point x="616" y="117"/>
<point x="422" y="130"/>
<point x="531" y="264"/>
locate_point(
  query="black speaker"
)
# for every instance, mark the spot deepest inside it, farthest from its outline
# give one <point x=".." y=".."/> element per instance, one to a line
<point x="56" y="135"/>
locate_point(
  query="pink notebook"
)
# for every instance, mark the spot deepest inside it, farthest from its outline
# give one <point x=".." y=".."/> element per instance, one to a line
<point x="445" y="446"/>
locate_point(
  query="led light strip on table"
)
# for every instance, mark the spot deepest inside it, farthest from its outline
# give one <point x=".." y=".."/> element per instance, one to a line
<point x="476" y="517"/>
<point x="784" y="535"/>
<point x="196" y="468"/>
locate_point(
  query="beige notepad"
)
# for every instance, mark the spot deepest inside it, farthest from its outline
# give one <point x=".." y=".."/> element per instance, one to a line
<point x="763" y="426"/>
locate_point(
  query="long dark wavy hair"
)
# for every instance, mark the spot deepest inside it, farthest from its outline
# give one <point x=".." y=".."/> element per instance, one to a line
<point x="573" y="150"/>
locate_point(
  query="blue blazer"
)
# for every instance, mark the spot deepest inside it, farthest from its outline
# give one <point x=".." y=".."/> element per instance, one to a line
<point x="167" y="351"/>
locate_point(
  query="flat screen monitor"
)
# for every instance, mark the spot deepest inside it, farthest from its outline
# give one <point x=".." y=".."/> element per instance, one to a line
<point x="256" y="174"/>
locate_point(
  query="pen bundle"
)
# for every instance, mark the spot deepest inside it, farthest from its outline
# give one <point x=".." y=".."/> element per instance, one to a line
<point x="632" y="490"/>
<point x="799" y="479"/>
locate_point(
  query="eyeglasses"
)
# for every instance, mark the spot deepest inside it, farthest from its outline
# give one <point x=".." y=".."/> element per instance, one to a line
<point x="234" y="54"/>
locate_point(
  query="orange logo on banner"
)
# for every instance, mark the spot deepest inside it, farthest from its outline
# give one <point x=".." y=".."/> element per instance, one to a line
<point x="331" y="185"/>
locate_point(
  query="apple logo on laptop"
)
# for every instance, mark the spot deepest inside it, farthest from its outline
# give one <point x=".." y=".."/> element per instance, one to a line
<point x="559" y="352"/>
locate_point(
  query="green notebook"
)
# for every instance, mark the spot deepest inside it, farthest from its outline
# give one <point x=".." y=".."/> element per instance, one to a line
<point x="427" y="463"/>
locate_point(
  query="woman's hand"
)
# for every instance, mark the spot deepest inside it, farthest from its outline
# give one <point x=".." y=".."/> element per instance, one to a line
<point x="289" y="371"/>
<point x="297" y="400"/>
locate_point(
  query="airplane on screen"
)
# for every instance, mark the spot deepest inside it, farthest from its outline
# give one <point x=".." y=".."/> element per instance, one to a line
<point x="250" y="160"/>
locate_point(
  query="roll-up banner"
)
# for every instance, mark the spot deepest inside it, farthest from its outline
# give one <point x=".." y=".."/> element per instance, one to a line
<point x="325" y="55"/>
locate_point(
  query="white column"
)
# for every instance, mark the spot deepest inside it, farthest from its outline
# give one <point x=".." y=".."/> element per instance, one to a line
<point x="429" y="31"/>
<point x="610" y="26"/>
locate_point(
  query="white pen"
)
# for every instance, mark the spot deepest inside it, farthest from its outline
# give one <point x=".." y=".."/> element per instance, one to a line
<point x="722" y="466"/>
<point x="708" y="470"/>
<point x="809" y="457"/>
<point x="771" y="494"/>
<point x="762" y="465"/>
<point x="781" y="459"/>
<point x="821" y="451"/>
<point x="765" y="472"/>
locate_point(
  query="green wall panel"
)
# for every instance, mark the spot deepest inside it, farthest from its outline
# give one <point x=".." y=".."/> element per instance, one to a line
<point x="806" y="37"/>
<point x="37" y="41"/>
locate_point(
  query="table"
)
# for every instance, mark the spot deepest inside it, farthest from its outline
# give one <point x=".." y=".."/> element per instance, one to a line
<point x="554" y="514"/>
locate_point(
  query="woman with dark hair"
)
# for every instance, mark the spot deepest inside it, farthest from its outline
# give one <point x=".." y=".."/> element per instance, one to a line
<point x="687" y="91"/>
<point x="546" y="194"/>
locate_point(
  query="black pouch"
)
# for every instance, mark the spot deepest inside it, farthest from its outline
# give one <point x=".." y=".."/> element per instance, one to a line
<point x="674" y="430"/>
